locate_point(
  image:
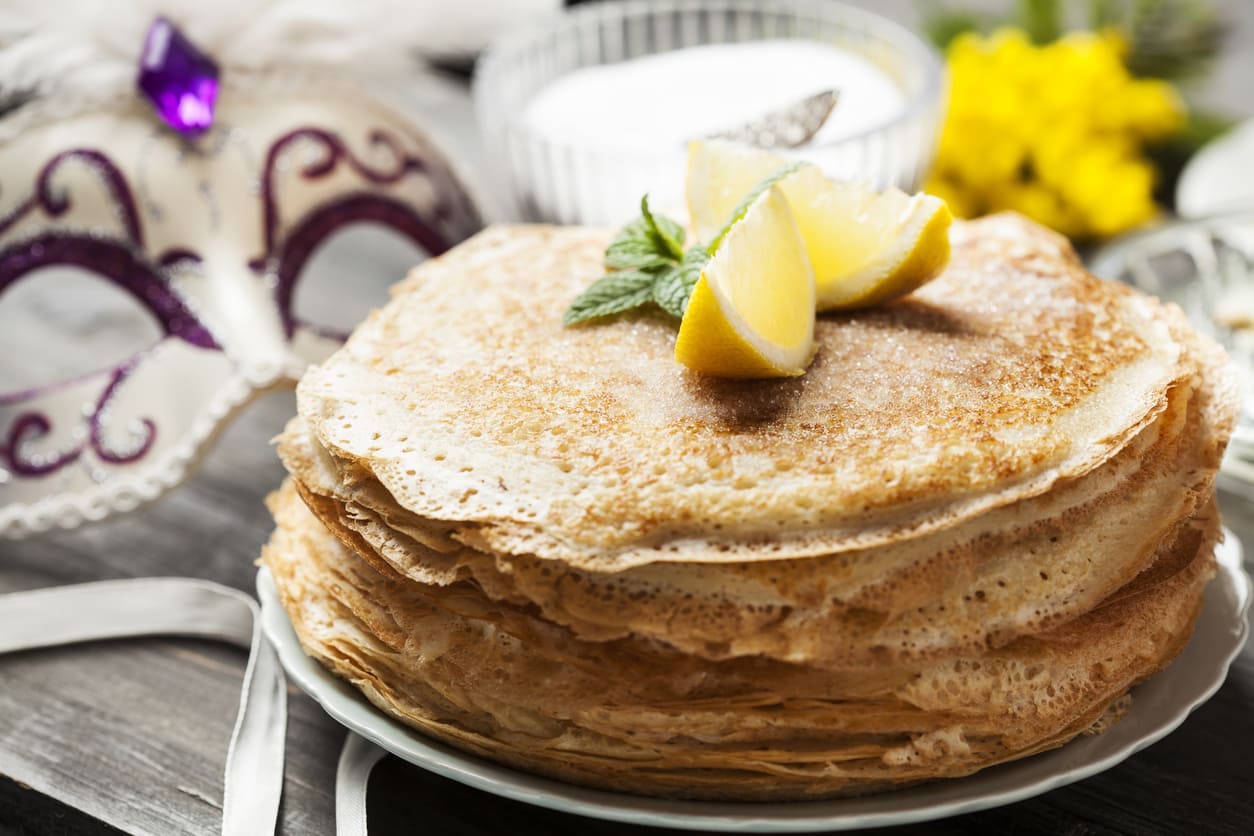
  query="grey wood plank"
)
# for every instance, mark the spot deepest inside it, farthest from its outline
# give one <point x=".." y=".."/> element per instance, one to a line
<point x="134" y="733"/>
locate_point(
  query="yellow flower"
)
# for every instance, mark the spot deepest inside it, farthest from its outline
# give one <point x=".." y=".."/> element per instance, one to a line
<point x="1053" y="131"/>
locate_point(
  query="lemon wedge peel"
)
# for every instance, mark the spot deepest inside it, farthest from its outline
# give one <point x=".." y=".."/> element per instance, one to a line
<point x="866" y="247"/>
<point x="751" y="314"/>
<point x="921" y="255"/>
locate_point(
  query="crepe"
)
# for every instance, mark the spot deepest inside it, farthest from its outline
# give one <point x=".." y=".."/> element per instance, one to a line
<point x="633" y="715"/>
<point x="882" y="602"/>
<point x="473" y="406"/>
<point x="979" y="519"/>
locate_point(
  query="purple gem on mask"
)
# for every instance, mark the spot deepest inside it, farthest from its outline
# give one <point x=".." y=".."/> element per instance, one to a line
<point x="179" y="80"/>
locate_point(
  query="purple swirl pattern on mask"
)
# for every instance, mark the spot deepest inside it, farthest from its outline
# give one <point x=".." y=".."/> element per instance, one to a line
<point x="178" y="256"/>
<point x="97" y="423"/>
<point x="122" y="265"/>
<point x="286" y="258"/>
<point x="32" y="426"/>
<point x="56" y="204"/>
<point x="119" y="260"/>
<point x="334" y="152"/>
<point x="29" y="427"/>
<point x="318" y="225"/>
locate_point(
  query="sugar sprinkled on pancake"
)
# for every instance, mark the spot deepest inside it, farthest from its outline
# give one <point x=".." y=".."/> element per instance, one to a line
<point x="470" y="403"/>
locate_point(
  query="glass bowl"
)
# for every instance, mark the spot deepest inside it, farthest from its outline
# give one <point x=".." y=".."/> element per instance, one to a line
<point x="565" y="180"/>
<point x="1206" y="266"/>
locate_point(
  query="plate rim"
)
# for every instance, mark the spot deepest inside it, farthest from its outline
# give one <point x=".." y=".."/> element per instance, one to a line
<point x="348" y="707"/>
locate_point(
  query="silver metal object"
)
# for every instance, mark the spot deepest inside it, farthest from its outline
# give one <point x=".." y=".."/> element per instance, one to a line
<point x="1205" y="266"/>
<point x="787" y="127"/>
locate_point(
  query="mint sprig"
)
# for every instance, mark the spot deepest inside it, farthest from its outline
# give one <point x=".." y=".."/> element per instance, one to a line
<point x="650" y="267"/>
<point x="649" y="242"/>
<point x="668" y="234"/>
<point x="611" y="294"/>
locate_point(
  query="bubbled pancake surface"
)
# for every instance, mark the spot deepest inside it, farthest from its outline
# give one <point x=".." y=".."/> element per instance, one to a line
<point x="636" y="716"/>
<point x="476" y="410"/>
<point x="1004" y="574"/>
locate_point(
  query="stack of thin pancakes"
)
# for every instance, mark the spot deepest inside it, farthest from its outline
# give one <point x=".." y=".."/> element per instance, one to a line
<point x="982" y="516"/>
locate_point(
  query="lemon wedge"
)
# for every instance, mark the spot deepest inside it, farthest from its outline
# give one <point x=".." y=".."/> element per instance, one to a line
<point x="866" y="247"/>
<point x="751" y="314"/>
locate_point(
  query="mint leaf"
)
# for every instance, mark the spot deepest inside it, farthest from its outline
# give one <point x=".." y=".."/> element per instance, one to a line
<point x="636" y="247"/>
<point x="611" y="294"/>
<point x="673" y="287"/>
<point x="649" y="265"/>
<point x="668" y="234"/>
<point x="754" y="194"/>
<point x="669" y="293"/>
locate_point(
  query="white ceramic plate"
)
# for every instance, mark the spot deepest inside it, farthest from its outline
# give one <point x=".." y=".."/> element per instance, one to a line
<point x="1158" y="707"/>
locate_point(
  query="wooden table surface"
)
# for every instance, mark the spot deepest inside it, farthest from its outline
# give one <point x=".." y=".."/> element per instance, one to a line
<point x="132" y="735"/>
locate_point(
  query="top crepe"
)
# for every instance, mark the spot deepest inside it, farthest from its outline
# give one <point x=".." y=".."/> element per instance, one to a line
<point x="477" y="411"/>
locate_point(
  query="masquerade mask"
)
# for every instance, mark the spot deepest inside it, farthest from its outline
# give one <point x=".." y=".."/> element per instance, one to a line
<point x="210" y="238"/>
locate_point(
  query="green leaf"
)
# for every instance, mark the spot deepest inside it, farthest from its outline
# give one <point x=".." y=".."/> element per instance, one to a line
<point x="754" y="194"/>
<point x="626" y="260"/>
<point x="944" y="25"/>
<point x="1173" y="39"/>
<point x="673" y="288"/>
<point x="1102" y="13"/>
<point x="668" y="292"/>
<point x="649" y="264"/>
<point x="611" y="294"/>
<point x="1041" y="20"/>
<point x="943" y="29"/>
<point x="636" y="247"/>
<point x="668" y="234"/>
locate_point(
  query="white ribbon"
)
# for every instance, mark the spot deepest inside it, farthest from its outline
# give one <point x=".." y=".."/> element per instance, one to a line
<point x="357" y="759"/>
<point x="253" y="781"/>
